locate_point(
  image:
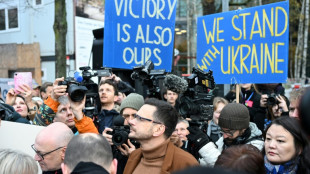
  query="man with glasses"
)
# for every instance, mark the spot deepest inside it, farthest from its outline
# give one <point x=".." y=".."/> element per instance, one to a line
<point x="236" y="128"/>
<point x="59" y="108"/>
<point x="152" y="126"/>
<point x="50" y="146"/>
<point x="129" y="107"/>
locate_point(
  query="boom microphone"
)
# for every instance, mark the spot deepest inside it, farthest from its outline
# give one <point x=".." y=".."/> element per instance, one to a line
<point x="175" y="83"/>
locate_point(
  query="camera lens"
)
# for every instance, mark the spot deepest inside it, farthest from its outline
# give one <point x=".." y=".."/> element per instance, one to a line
<point x="120" y="138"/>
<point x="77" y="93"/>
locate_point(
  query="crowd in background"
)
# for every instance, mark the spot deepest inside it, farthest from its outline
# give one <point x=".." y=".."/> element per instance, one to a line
<point x="266" y="132"/>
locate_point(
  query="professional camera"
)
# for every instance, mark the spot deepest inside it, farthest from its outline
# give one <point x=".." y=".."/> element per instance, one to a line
<point x="272" y="99"/>
<point x="92" y="96"/>
<point x="75" y="91"/>
<point x="120" y="135"/>
<point x="196" y="102"/>
<point x="151" y="78"/>
<point x="120" y="132"/>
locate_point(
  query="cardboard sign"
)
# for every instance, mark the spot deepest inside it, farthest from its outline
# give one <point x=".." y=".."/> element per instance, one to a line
<point x="138" y="30"/>
<point x="245" y="46"/>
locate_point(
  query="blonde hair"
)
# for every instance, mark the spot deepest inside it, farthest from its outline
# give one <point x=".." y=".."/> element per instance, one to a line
<point x="12" y="162"/>
<point x="217" y="101"/>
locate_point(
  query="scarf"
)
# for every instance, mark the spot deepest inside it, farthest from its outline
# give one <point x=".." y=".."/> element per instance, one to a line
<point x="214" y="129"/>
<point x="286" y="168"/>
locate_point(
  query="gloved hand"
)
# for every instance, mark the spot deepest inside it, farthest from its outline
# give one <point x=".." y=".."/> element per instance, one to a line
<point x="197" y="137"/>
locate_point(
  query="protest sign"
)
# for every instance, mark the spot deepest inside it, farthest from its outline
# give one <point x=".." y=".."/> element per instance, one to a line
<point x="136" y="31"/>
<point x="245" y="46"/>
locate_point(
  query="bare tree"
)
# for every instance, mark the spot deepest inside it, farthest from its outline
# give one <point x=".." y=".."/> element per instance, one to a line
<point x="299" y="42"/>
<point x="305" y="47"/>
<point x="60" y="30"/>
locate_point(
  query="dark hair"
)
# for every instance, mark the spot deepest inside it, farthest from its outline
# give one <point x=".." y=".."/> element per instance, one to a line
<point x="45" y="85"/>
<point x="270" y="114"/>
<point x="88" y="147"/>
<point x="109" y="82"/>
<point x="20" y="96"/>
<point x="164" y="113"/>
<point x="301" y="141"/>
<point x="304" y="112"/>
<point x="242" y="158"/>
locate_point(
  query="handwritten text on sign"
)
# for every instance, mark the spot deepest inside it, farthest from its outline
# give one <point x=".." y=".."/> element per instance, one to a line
<point x="136" y="31"/>
<point x="249" y="46"/>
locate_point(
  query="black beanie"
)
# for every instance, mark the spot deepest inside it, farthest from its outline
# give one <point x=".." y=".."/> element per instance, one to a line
<point x="234" y="116"/>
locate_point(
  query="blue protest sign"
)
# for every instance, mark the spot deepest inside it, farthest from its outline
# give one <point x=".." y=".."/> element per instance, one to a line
<point x="245" y="46"/>
<point x="138" y="30"/>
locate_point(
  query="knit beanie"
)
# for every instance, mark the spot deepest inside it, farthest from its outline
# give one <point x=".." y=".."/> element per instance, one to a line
<point x="234" y="116"/>
<point x="133" y="100"/>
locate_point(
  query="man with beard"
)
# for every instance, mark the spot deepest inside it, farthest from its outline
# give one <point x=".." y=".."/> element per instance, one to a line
<point x="152" y="126"/>
<point x="236" y="128"/>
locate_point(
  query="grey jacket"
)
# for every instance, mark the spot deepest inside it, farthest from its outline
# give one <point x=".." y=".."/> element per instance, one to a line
<point x="210" y="151"/>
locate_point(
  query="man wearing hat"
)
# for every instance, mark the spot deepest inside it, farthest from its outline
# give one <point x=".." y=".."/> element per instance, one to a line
<point x="236" y="128"/>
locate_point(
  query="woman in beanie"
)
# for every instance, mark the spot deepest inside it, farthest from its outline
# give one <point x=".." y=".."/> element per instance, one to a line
<point x="286" y="147"/>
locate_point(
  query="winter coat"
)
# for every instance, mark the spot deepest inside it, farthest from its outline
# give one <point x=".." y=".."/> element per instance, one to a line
<point x="210" y="151"/>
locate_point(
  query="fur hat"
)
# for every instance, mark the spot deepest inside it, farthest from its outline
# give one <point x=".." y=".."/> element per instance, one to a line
<point x="133" y="100"/>
<point x="234" y="116"/>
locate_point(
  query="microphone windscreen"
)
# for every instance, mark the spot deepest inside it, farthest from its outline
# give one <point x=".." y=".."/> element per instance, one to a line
<point x="175" y="83"/>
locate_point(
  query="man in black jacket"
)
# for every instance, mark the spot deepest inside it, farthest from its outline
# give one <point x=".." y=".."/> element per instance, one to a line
<point x="89" y="153"/>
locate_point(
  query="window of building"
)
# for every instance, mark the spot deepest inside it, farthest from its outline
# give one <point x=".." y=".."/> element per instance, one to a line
<point x="37" y="3"/>
<point x="9" y="18"/>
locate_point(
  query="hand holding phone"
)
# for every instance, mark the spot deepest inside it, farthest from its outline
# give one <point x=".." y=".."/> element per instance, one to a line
<point x="21" y="78"/>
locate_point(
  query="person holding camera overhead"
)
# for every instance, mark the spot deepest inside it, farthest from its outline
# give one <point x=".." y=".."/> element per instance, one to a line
<point x="59" y="107"/>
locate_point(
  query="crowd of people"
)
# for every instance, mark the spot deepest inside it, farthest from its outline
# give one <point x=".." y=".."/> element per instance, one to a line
<point x="265" y="132"/>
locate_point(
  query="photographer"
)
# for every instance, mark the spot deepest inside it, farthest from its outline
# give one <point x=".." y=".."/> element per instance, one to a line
<point x="236" y="129"/>
<point x="277" y="106"/>
<point x="129" y="107"/>
<point x="54" y="111"/>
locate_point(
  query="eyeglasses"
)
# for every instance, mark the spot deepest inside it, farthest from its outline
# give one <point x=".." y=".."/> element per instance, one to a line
<point x="229" y="133"/>
<point x="138" y="117"/>
<point x="42" y="155"/>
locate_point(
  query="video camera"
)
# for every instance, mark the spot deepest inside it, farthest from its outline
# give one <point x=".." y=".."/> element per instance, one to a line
<point x="82" y="85"/>
<point x="196" y="102"/>
<point x="149" y="77"/>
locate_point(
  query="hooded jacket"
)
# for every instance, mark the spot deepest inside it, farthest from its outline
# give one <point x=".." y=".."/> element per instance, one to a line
<point x="211" y="151"/>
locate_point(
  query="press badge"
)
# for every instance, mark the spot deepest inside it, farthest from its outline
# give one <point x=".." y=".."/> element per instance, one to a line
<point x="249" y="103"/>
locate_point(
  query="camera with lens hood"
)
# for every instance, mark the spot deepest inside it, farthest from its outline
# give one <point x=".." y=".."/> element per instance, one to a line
<point x="75" y="91"/>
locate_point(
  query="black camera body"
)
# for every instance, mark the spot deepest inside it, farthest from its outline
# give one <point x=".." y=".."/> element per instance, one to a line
<point x="153" y="79"/>
<point x="196" y="102"/>
<point x="120" y="135"/>
<point x="272" y="99"/>
<point x="92" y="102"/>
<point x="75" y="91"/>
